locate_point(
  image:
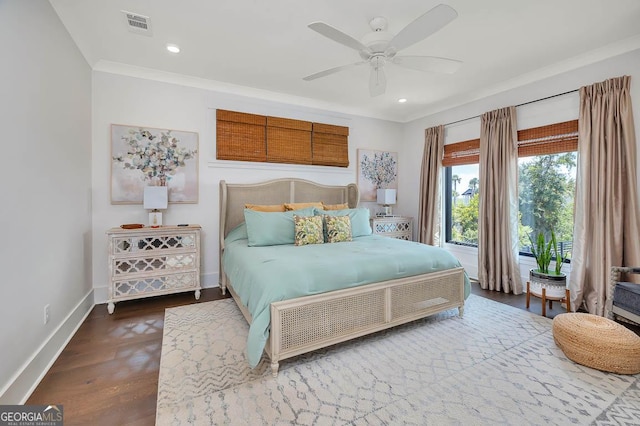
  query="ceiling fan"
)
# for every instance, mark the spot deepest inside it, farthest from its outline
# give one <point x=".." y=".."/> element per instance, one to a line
<point x="379" y="47"/>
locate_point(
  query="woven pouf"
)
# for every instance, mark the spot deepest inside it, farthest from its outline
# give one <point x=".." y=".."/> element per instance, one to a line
<point x="597" y="342"/>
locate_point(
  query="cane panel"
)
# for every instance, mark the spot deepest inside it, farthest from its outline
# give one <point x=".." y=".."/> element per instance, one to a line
<point x="307" y="323"/>
<point x="426" y="296"/>
<point x="321" y="321"/>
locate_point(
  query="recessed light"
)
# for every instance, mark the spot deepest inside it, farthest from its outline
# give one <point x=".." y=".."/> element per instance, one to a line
<point x="173" y="48"/>
<point x="402" y="100"/>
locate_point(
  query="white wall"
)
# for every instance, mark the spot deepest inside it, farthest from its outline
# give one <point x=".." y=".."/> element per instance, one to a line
<point x="558" y="109"/>
<point x="45" y="113"/>
<point x="135" y="101"/>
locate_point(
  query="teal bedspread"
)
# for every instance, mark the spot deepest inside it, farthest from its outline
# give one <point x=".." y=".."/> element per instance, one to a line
<point x="261" y="275"/>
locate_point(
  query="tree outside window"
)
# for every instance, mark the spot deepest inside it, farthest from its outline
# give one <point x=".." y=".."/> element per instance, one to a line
<point x="545" y="190"/>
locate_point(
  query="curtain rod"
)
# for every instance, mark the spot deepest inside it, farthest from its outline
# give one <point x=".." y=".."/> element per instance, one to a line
<point x="519" y="105"/>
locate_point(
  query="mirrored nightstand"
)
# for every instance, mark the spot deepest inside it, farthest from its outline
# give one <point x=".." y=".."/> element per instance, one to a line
<point x="393" y="226"/>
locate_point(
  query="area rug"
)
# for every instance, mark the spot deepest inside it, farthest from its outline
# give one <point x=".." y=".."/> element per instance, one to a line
<point x="496" y="365"/>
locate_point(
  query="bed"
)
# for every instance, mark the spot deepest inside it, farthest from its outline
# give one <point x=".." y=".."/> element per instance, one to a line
<point x="341" y="306"/>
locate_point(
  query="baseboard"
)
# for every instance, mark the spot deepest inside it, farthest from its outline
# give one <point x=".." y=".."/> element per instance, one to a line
<point x="24" y="382"/>
<point x="209" y="280"/>
<point x="101" y="294"/>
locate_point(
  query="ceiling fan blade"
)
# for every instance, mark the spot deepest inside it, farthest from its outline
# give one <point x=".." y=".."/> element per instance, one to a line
<point x="331" y="71"/>
<point x="428" y="63"/>
<point x="337" y="35"/>
<point x="377" y="81"/>
<point x="423" y="27"/>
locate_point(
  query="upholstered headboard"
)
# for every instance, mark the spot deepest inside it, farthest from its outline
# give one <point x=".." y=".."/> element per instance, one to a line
<point x="233" y="197"/>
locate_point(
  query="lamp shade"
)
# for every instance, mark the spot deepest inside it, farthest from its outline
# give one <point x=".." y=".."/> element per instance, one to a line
<point x="156" y="197"/>
<point x="386" y="196"/>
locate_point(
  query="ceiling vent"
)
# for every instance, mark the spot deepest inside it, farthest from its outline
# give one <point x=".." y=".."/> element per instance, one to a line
<point x="137" y="23"/>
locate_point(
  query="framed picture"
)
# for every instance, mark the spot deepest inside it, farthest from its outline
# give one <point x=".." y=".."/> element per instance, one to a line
<point x="144" y="156"/>
<point x="376" y="170"/>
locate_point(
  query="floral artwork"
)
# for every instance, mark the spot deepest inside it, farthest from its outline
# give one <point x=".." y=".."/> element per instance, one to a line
<point x="142" y="156"/>
<point x="376" y="170"/>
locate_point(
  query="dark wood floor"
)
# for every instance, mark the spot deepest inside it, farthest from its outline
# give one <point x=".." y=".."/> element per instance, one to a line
<point x="519" y="301"/>
<point x="108" y="373"/>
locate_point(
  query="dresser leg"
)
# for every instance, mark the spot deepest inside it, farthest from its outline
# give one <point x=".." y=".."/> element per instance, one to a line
<point x="111" y="307"/>
<point x="198" y="294"/>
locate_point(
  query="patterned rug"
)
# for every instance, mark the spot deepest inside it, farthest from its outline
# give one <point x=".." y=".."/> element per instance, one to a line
<point x="496" y="365"/>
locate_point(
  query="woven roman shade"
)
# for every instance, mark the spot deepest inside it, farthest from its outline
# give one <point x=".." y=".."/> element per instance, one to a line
<point x="550" y="139"/>
<point x="240" y="136"/>
<point x="250" y="137"/>
<point x="461" y="153"/>
<point x="288" y="141"/>
<point x="330" y="145"/>
<point x="544" y="140"/>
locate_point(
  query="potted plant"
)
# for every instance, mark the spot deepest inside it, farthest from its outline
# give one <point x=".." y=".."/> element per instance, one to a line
<point x="554" y="281"/>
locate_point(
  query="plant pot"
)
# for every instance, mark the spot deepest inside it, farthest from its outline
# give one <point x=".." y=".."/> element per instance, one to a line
<point x="555" y="285"/>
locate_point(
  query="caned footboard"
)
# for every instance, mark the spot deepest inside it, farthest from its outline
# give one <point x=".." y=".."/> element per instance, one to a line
<point x="308" y="323"/>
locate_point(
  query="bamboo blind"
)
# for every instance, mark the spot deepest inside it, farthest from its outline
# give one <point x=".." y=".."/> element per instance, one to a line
<point x="330" y="145"/>
<point x="544" y="140"/>
<point x="550" y="139"/>
<point x="251" y="137"/>
<point x="461" y="153"/>
<point x="288" y="141"/>
<point x="240" y="136"/>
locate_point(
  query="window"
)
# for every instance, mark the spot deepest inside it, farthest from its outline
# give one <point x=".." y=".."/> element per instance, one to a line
<point x="462" y="204"/>
<point x="546" y="186"/>
<point x="547" y="161"/>
<point x="462" y="192"/>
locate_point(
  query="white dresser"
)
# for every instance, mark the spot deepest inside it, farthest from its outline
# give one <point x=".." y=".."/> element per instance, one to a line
<point x="393" y="226"/>
<point x="153" y="261"/>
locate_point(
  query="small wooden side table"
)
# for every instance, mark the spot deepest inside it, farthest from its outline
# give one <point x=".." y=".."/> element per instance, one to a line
<point x="564" y="299"/>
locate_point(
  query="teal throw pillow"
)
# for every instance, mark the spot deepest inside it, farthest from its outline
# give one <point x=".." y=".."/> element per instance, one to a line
<point x="272" y="228"/>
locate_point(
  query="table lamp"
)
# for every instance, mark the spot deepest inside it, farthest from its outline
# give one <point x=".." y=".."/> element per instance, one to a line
<point x="386" y="197"/>
<point x="156" y="198"/>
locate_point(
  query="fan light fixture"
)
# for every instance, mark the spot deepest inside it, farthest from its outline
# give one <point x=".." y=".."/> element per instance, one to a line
<point x="380" y="47"/>
<point x="402" y="100"/>
<point x="173" y="48"/>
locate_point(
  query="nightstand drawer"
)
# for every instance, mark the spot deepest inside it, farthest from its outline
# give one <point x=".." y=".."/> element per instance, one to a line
<point x="146" y="264"/>
<point x="153" y="285"/>
<point x="140" y="243"/>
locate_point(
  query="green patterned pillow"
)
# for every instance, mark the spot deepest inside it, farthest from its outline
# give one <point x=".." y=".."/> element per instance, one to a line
<point x="338" y="228"/>
<point x="308" y="230"/>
